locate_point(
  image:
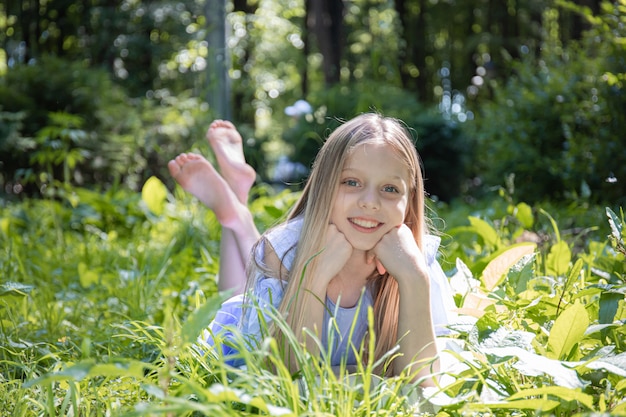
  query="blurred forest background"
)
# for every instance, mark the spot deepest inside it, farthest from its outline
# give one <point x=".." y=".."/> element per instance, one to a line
<point x="523" y="94"/>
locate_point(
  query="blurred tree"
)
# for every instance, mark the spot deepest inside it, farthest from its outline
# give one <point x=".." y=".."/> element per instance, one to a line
<point x="325" y="20"/>
<point x="218" y="59"/>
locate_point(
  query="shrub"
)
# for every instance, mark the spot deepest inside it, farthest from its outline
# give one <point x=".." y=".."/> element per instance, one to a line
<point x="62" y="121"/>
<point x="557" y="124"/>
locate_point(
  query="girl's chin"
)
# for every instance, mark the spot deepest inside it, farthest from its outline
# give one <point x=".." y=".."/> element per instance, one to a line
<point x="362" y="246"/>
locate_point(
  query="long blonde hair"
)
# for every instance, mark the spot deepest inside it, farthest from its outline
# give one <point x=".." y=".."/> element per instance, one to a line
<point x="316" y="203"/>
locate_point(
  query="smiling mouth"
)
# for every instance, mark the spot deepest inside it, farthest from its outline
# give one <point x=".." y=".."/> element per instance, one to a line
<point x="366" y="224"/>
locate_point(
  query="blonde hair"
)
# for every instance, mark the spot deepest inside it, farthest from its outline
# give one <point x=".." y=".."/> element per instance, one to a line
<point x="316" y="203"/>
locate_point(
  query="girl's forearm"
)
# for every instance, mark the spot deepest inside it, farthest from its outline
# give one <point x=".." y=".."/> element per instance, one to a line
<point x="416" y="333"/>
<point x="310" y="324"/>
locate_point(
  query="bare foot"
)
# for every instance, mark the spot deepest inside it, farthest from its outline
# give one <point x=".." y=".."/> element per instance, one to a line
<point x="197" y="176"/>
<point x="228" y="147"/>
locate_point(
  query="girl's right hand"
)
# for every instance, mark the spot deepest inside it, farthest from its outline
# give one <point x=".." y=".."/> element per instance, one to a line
<point x="335" y="254"/>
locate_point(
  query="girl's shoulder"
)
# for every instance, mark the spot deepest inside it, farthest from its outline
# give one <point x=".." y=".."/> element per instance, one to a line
<point x="285" y="236"/>
<point x="279" y="244"/>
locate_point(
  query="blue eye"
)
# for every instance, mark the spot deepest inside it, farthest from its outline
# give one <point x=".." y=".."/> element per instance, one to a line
<point x="390" y="189"/>
<point x="351" y="183"/>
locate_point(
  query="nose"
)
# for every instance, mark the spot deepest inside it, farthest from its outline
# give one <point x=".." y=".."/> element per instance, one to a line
<point x="369" y="199"/>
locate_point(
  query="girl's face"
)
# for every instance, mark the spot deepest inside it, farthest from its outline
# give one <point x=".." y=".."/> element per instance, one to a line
<point x="373" y="195"/>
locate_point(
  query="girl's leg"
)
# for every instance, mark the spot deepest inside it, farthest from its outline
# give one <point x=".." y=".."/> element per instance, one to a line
<point x="237" y="237"/>
<point x="227" y="145"/>
<point x="196" y="175"/>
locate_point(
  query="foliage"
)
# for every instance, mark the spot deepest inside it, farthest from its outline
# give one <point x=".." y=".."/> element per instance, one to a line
<point x="76" y="126"/>
<point x="103" y="295"/>
<point x="556" y="125"/>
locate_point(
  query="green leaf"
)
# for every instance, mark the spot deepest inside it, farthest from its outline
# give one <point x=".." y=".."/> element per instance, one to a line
<point x="524" y="213"/>
<point x="559" y="258"/>
<point x="568" y="330"/>
<point x="4" y="226"/>
<point x="273" y="211"/>
<point x="201" y="318"/>
<point x="87" y="277"/>
<point x="484" y="230"/>
<point x="521" y="273"/>
<point x="153" y="195"/>
<point x="609" y="303"/>
<point x="574" y="275"/>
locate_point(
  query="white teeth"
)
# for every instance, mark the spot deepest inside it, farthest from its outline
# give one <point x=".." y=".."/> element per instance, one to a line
<point x="364" y="223"/>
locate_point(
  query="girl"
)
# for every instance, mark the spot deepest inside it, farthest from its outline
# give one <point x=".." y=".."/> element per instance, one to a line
<point x="356" y="238"/>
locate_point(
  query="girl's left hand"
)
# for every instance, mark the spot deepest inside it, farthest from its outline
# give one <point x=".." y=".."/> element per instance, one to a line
<point x="399" y="254"/>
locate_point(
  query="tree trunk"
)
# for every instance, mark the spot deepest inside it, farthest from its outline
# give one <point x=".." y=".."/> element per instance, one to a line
<point x="326" y="22"/>
<point x="218" y="95"/>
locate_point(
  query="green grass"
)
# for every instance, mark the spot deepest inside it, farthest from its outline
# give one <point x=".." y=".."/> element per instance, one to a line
<point x="102" y="296"/>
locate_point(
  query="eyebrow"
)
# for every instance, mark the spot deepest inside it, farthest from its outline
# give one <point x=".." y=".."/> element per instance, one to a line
<point x="395" y="177"/>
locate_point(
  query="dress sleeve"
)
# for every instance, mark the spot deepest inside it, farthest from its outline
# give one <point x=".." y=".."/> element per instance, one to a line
<point x="244" y="315"/>
<point x="223" y="325"/>
<point x="441" y="300"/>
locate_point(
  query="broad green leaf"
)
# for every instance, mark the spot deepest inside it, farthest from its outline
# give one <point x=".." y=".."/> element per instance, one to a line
<point x="201" y="318"/>
<point x="609" y="303"/>
<point x="87" y="277"/>
<point x="484" y="230"/>
<point x="493" y="273"/>
<point x="153" y="195"/>
<point x="559" y="258"/>
<point x="524" y="213"/>
<point x="521" y="273"/>
<point x="567" y="394"/>
<point x="568" y="330"/>
<point x="486" y="325"/>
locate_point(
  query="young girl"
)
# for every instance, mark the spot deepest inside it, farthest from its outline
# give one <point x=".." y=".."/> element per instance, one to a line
<point x="356" y="238"/>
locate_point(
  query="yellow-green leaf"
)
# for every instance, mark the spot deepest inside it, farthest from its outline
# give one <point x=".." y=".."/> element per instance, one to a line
<point x="87" y="277"/>
<point x="559" y="258"/>
<point x="568" y="329"/>
<point x="524" y="213"/>
<point x="495" y="270"/>
<point x="484" y="230"/>
<point x="154" y="194"/>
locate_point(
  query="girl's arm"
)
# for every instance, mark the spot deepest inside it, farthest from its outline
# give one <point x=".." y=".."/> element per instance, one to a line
<point x="402" y="258"/>
<point x="328" y="264"/>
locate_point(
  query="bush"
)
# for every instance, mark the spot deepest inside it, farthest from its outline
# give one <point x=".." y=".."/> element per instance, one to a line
<point x="557" y="124"/>
<point x="75" y="125"/>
